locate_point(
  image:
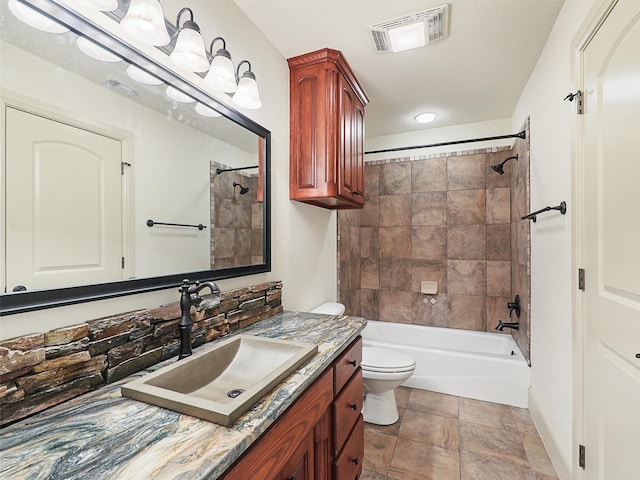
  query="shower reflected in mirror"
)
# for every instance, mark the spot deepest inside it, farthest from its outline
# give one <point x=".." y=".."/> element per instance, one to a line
<point x="243" y="190"/>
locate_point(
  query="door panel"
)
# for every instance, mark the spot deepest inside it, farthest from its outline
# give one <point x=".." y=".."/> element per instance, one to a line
<point x="611" y="135"/>
<point x="64" y="204"/>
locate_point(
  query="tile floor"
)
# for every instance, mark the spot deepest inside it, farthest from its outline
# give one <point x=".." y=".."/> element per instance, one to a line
<point x="442" y="437"/>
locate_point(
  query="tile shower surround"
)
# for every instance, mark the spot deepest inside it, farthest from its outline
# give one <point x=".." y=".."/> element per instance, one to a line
<point x="447" y="218"/>
<point x="40" y="370"/>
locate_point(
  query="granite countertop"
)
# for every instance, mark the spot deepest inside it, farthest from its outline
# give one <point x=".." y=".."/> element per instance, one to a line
<point x="104" y="435"/>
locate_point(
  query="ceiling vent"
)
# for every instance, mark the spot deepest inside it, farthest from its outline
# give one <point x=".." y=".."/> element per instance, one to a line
<point x="432" y="26"/>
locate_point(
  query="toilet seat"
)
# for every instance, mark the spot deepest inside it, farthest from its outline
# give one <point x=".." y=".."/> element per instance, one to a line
<point x="382" y="360"/>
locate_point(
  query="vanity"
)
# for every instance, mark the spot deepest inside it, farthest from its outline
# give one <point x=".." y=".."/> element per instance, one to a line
<point x="309" y="426"/>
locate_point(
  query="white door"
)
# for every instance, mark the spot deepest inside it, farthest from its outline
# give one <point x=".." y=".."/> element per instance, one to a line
<point x="63" y="205"/>
<point x="611" y="62"/>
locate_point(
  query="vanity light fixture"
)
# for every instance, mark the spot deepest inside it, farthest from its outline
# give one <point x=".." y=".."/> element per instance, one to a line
<point x="189" y="52"/>
<point x="141" y="76"/>
<point x="145" y="22"/>
<point x="206" y="111"/>
<point x="426" y="117"/>
<point x="102" y="5"/>
<point x="221" y="76"/>
<point x="34" y="18"/>
<point x="247" y="95"/>
<point x="175" y="94"/>
<point x="96" y="51"/>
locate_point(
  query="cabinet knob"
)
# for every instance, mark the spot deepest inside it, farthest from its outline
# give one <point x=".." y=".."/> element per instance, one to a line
<point x="356" y="461"/>
<point x="291" y="478"/>
<point x="354" y="406"/>
<point x="637" y="355"/>
<point x="352" y="363"/>
<point x="357" y="192"/>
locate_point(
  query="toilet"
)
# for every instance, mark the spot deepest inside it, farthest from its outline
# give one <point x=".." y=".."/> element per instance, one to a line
<point x="382" y="371"/>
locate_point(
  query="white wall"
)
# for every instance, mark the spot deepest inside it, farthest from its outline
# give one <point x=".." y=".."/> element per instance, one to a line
<point x="552" y="139"/>
<point x="303" y="237"/>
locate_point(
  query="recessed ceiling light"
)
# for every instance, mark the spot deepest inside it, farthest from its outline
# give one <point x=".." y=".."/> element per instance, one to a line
<point x="425" y="117"/>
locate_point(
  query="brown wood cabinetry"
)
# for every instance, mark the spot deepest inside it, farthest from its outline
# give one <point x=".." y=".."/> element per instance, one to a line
<point x="320" y="436"/>
<point x="326" y="131"/>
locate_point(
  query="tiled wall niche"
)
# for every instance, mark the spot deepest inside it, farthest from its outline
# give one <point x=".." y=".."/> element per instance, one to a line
<point x="40" y="370"/>
<point x="447" y="218"/>
<point x="236" y="220"/>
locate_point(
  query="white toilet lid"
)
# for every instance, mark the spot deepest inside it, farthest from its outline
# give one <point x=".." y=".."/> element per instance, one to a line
<point x="385" y="360"/>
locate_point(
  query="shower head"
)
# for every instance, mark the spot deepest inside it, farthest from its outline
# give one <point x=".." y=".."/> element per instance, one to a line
<point x="243" y="190"/>
<point x="498" y="167"/>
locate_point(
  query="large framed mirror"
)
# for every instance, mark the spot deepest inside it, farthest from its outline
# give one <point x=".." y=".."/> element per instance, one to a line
<point x="119" y="177"/>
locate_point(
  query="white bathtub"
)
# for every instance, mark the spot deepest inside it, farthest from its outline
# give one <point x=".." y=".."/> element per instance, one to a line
<point x="480" y="365"/>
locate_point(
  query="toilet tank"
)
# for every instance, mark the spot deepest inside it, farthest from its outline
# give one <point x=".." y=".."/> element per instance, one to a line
<point x="331" y="308"/>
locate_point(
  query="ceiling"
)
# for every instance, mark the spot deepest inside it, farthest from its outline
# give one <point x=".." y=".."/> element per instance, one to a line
<point x="476" y="74"/>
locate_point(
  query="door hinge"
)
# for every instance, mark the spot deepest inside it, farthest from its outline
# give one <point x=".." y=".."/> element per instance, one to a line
<point x="579" y="103"/>
<point x="581" y="278"/>
<point x="122" y="165"/>
<point x="581" y="456"/>
<point x="122" y="262"/>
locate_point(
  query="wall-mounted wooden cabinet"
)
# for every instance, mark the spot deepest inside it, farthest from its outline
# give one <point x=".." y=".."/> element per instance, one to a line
<point x="326" y="131"/>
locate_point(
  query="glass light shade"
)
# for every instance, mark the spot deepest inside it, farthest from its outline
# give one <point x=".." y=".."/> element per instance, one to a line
<point x="35" y="19"/>
<point x="141" y="76"/>
<point x="407" y="37"/>
<point x="144" y="21"/>
<point x="247" y="94"/>
<point x="178" y="96"/>
<point x="221" y="76"/>
<point x="96" y="51"/>
<point x="425" y="117"/>
<point x="102" y="5"/>
<point x="189" y="51"/>
<point x="206" y="111"/>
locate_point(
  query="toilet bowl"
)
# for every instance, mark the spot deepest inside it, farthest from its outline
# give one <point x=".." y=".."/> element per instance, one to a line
<point x="382" y="371"/>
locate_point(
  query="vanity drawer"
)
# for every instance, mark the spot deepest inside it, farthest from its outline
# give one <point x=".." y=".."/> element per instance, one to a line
<point x="347" y="364"/>
<point x="348" y="465"/>
<point x="346" y="409"/>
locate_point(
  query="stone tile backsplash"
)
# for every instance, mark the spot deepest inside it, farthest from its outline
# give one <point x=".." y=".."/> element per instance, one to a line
<point x="40" y="370"/>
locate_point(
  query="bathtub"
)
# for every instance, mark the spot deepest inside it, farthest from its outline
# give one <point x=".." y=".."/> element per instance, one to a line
<point x="480" y="365"/>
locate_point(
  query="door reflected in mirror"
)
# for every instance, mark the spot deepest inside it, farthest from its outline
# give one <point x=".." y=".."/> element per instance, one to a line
<point x="118" y="179"/>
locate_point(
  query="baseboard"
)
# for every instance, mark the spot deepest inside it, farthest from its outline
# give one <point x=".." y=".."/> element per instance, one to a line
<point x="560" y="462"/>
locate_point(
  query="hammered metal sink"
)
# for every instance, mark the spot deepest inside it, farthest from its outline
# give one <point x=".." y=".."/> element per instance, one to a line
<point x="223" y="382"/>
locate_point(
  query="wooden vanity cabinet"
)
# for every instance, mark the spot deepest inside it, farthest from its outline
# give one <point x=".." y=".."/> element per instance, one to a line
<point x="320" y="436"/>
<point x="326" y="131"/>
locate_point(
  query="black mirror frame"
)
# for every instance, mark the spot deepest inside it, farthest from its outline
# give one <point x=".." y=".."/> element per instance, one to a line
<point x="20" y="302"/>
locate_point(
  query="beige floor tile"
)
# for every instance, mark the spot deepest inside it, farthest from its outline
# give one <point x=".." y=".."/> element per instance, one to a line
<point x="475" y="467"/>
<point x="434" y="403"/>
<point x="433" y="430"/>
<point x="417" y="461"/>
<point x="368" y="475"/>
<point x="488" y="414"/>
<point x="402" y="396"/>
<point x="493" y="443"/>
<point x="378" y="451"/>
<point x="524" y="421"/>
<point x="537" y="455"/>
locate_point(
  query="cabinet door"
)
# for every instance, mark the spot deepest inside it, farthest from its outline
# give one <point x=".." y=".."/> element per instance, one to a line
<point x="300" y="466"/>
<point x="349" y="148"/>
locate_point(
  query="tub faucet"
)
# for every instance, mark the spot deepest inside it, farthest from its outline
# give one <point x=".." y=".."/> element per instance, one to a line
<point x="190" y="296"/>
<point x="501" y="326"/>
